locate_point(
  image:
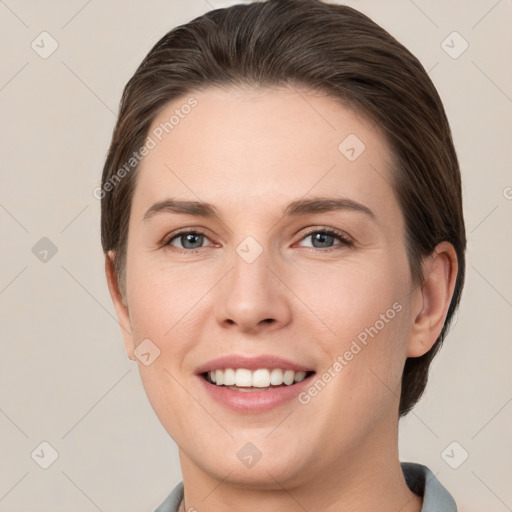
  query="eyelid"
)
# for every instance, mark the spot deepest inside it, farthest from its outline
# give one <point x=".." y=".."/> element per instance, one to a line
<point x="184" y="231"/>
<point x="316" y="229"/>
<point x="345" y="239"/>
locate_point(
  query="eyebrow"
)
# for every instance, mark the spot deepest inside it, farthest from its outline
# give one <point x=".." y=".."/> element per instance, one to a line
<point x="294" y="209"/>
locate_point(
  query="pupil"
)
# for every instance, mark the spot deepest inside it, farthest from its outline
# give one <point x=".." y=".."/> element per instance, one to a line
<point x="190" y="238"/>
<point x="321" y="237"/>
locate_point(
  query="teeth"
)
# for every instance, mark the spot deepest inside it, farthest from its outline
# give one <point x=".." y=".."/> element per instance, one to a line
<point x="229" y="377"/>
<point x="260" y="378"/>
<point x="243" y="378"/>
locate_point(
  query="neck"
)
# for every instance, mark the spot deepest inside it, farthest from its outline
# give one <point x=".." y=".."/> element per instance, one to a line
<point x="365" y="478"/>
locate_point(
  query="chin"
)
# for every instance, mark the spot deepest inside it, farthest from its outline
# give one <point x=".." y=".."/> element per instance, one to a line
<point x="259" y="464"/>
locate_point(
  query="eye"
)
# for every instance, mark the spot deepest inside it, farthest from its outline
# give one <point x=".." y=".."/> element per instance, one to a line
<point x="190" y="241"/>
<point x="324" y="237"/>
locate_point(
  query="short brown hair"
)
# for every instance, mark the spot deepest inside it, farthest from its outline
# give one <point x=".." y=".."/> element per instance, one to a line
<point x="325" y="47"/>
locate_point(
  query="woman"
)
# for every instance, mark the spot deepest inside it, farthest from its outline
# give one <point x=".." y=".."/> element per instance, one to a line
<point x="284" y="239"/>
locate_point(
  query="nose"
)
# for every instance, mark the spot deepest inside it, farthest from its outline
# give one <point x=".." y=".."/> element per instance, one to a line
<point x="254" y="297"/>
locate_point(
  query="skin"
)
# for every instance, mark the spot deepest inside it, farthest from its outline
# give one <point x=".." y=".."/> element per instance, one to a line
<point x="250" y="153"/>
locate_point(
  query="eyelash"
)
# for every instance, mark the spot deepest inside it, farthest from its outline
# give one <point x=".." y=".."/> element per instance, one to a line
<point x="345" y="241"/>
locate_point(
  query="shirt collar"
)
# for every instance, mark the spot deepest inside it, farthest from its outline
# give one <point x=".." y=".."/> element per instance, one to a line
<point x="418" y="478"/>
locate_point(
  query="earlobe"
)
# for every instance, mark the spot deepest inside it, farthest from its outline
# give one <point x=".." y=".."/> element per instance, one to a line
<point x="434" y="297"/>
<point x="120" y="304"/>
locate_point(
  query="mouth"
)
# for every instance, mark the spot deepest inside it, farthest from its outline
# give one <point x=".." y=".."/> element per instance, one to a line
<point x="261" y="379"/>
<point x="253" y="384"/>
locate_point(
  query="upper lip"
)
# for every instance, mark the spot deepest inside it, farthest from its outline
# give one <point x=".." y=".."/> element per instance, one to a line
<point x="251" y="363"/>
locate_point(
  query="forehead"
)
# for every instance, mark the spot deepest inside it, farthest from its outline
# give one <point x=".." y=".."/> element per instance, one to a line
<point x="263" y="148"/>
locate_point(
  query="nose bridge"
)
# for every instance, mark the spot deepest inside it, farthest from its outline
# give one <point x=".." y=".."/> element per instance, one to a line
<point x="251" y="263"/>
<point x="251" y="276"/>
<point x="252" y="294"/>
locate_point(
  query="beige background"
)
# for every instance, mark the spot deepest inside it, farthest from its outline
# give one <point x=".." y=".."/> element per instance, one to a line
<point x="64" y="376"/>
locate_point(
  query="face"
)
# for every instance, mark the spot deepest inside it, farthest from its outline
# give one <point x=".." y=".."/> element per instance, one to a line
<point x="298" y="265"/>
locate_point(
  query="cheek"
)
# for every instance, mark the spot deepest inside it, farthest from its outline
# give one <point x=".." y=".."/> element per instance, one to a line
<point x="165" y="306"/>
<point x="350" y="299"/>
<point x="164" y="301"/>
<point x="360" y="329"/>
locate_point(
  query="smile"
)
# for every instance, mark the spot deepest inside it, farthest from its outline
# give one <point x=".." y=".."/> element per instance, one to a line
<point x="254" y="392"/>
<point x="243" y="379"/>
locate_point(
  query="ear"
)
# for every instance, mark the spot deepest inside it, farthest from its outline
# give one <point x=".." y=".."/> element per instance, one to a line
<point x="433" y="297"/>
<point x="120" y="305"/>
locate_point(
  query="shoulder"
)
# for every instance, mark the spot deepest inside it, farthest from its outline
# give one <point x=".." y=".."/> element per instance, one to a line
<point x="423" y="482"/>
<point x="172" y="502"/>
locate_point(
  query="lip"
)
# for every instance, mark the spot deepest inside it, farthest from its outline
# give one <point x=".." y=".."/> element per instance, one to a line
<point x="252" y="402"/>
<point x="251" y="363"/>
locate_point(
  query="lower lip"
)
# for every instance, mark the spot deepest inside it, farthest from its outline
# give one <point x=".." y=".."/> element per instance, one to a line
<point x="254" y="401"/>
